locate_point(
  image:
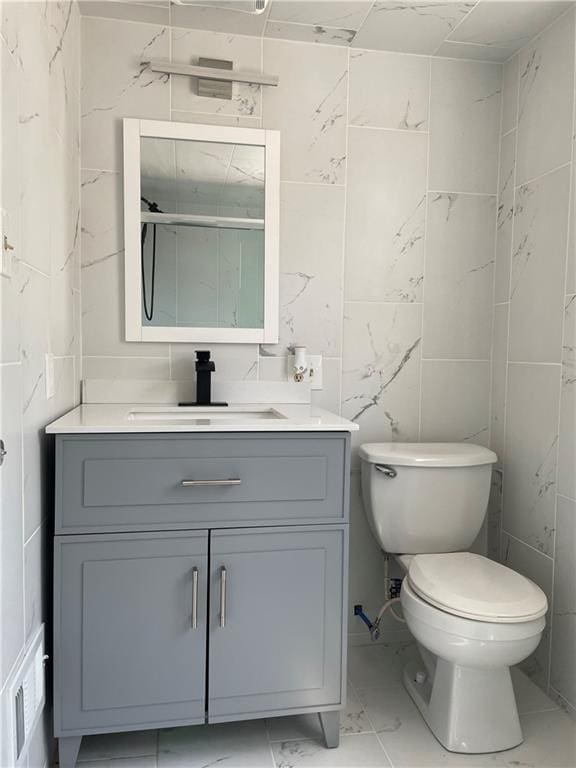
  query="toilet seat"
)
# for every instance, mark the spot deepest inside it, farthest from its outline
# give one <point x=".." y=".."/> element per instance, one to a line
<point x="474" y="587"/>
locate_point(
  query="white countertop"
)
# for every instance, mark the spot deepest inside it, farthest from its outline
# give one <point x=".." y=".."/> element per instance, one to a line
<point x="139" y="418"/>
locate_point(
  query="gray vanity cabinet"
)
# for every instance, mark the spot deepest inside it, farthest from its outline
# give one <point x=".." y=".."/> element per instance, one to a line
<point x="127" y="650"/>
<point x="280" y="646"/>
<point x="177" y="604"/>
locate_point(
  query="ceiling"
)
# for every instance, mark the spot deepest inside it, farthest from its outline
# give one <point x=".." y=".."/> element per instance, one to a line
<point x="491" y="30"/>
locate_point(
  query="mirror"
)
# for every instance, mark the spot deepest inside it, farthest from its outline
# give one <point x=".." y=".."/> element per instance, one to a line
<point x="202" y="264"/>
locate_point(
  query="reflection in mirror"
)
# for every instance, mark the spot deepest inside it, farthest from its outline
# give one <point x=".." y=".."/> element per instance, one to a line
<point x="202" y="233"/>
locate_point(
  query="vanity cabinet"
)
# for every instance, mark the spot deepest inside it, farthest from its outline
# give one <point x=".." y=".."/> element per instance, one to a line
<point x="236" y="619"/>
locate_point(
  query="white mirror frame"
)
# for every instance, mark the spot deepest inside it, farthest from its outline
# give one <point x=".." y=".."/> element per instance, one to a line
<point x="135" y="330"/>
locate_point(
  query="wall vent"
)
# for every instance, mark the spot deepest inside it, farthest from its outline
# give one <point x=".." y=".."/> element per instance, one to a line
<point x="26" y="692"/>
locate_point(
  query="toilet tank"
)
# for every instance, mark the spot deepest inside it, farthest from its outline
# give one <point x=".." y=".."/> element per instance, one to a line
<point x="425" y="497"/>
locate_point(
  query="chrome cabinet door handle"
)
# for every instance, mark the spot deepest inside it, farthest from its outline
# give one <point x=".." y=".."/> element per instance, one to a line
<point x="223" y="574"/>
<point x="194" y="597"/>
<point x="196" y="483"/>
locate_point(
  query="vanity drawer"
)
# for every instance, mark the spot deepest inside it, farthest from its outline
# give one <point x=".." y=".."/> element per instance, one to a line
<point x="164" y="481"/>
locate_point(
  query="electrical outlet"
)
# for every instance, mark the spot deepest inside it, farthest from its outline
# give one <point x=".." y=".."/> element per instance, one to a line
<point x="313" y="376"/>
<point x="49" y="374"/>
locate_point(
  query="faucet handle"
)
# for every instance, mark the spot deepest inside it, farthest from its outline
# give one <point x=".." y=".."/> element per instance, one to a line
<point x="203" y="356"/>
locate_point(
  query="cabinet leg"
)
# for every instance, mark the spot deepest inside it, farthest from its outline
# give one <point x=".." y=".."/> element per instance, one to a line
<point x="331" y="726"/>
<point x="68" y="749"/>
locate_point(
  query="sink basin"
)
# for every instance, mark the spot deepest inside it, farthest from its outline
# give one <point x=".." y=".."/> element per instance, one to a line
<point x="200" y="415"/>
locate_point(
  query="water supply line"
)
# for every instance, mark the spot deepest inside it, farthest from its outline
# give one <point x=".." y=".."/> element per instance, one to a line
<point x="374" y="627"/>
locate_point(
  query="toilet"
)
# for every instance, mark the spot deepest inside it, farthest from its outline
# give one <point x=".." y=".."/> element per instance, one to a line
<point x="472" y="617"/>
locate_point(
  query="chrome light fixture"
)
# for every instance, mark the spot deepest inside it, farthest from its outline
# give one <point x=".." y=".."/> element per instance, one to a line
<point x="258" y="6"/>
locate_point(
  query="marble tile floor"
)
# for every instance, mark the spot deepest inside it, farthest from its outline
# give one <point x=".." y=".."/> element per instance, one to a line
<point x="381" y="727"/>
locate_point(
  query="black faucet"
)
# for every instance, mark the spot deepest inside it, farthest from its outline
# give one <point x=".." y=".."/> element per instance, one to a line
<point x="204" y="370"/>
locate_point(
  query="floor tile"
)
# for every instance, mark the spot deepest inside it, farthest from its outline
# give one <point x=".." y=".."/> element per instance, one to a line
<point x="379" y="664"/>
<point x="388" y="708"/>
<point x="107" y="746"/>
<point x="302" y="727"/>
<point x="361" y="751"/>
<point x="529" y="697"/>
<point x="413" y="746"/>
<point x="237" y="745"/>
<point x="549" y="742"/>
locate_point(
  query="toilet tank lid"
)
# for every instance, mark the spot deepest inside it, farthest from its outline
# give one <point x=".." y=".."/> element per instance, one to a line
<point x="427" y="454"/>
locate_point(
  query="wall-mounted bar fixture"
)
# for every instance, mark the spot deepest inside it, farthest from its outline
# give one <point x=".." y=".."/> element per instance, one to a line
<point x="211" y="73"/>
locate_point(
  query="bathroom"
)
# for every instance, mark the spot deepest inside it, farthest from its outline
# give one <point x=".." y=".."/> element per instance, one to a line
<point x="419" y="244"/>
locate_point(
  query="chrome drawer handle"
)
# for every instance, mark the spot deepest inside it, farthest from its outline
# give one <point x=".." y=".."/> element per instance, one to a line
<point x="197" y="483"/>
<point x="386" y="470"/>
<point x="194" y="597"/>
<point x="223" y="574"/>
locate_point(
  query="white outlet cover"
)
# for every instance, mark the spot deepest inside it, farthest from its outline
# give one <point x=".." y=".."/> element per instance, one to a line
<point x="313" y="376"/>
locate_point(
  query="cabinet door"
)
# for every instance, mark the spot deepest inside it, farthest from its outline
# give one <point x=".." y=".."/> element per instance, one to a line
<point x="276" y="620"/>
<point x="130" y="630"/>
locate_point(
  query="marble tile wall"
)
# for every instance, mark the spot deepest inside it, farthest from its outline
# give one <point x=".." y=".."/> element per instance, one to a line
<point x="39" y="303"/>
<point x="533" y="411"/>
<point x="388" y="213"/>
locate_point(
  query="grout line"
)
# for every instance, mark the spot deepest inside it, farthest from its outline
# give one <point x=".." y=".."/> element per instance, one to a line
<point x="495" y="273"/>
<point x="425" y="254"/>
<point x="543" y="175"/>
<point x="540" y="34"/>
<point x="412" y="131"/>
<point x="529" y="362"/>
<point x="510" y="130"/>
<point x="508" y="318"/>
<point x="472" y="194"/>
<point x="344" y="236"/>
<point x="504" y="532"/>
<point x="454" y="28"/>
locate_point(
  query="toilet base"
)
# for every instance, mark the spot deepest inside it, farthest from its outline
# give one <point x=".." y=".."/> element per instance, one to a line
<point x="467" y="709"/>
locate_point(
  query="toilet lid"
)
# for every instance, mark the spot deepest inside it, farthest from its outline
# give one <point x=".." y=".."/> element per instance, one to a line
<point x="474" y="587"/>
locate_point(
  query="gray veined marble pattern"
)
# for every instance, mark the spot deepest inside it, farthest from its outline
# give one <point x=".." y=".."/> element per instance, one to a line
<point x="465" y="120"/>
<point x="538" y="268"/>
<point x="546" y="88"/>
<point x="116" y="84"/>
<point x="242" y="745"/>
<point x="339" y="13"/>
<point x="510" y="95"/>
<point x="385" y="217"/>
<point x="567" y="446"/>
<point x="102" y="265"/>
<point x="507" y="24"/>
<point x="306" y="34"/>
<point x="311" y="253"/>
<point x="505" y="217"/>
<point x="538" y="568"/>
<point x="459" y="276"/>
<point x="531" y="454"/>
<point x="401" y="85"/>
<point x="499" y="363"/>
<point x="455" y="401"/>
<point x="563" y="673"/>
<point x="410" y="27"/>
<point x="312" y="119"/>
<point x="381" y="369"/>
<point x="361" y="749"/>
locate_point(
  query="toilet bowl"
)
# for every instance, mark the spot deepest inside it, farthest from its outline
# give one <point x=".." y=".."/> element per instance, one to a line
<point x="472" y="618"/>
<point x="465" y="691"/>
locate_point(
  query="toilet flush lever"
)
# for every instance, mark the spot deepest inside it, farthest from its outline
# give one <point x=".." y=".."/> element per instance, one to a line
<point x="386" y="470"/>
